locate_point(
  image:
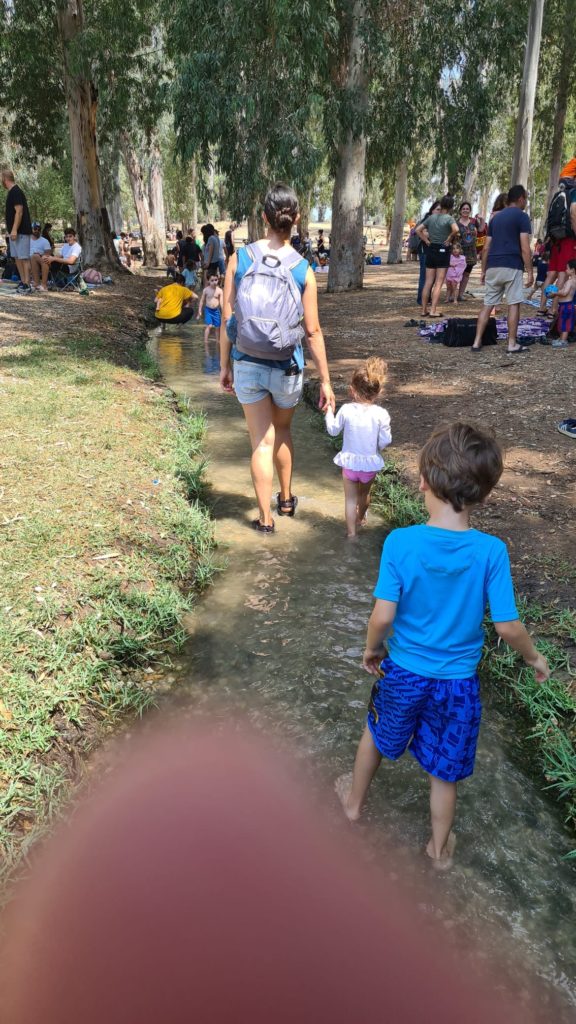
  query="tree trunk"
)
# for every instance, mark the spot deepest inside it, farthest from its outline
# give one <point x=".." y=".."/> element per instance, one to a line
<point x="562" y="96"/>
<point x="194" y="193"/>
<point x="111" y="188"/>
<point x="346" y="269"/>
<point x="321" y="212"/>
<point x="153" y="243"/>
<point x="483" y="202"/>
<point x="156" y="191"/>
<point x="256" y="226"/>
<point x="469" y="186"/>
<point x="81" y="101"/>
<point x="397" y="225"/>
<point x="303" y="226"/>
<point x="523" y="138"/>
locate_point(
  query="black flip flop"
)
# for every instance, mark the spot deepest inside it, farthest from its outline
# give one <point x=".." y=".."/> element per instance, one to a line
<point x="518" y="351"/>
<point x="286" y="507"/>
<point x="261" y="527"/>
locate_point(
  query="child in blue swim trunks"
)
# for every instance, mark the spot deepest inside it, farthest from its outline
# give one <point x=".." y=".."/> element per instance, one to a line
<point x="211" y="303"/>
<point x="434" y="584"/>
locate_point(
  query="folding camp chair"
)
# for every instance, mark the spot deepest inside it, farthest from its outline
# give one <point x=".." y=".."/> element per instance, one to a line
<point x="66" y="281"/>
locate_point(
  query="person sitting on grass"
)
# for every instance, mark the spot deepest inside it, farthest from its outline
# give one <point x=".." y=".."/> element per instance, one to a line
<point x="211" y="303"/>
<point x="69" y="255"/>
<point x="174" y="303"/>
<point x="434" y="584"/>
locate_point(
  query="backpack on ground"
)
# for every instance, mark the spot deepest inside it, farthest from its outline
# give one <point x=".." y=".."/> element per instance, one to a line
<point x="558" y="225"/>
<point x="268" y="307"/>
<point x="461" y="331"/>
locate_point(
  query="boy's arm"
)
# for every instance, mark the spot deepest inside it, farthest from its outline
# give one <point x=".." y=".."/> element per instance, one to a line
<point x="379" y="626"/>
<point x="201" y="305"/>
<point x="517" y="636"/>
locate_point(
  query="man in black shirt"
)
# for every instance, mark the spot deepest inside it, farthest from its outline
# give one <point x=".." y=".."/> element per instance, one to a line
<point x="19" y="228"/>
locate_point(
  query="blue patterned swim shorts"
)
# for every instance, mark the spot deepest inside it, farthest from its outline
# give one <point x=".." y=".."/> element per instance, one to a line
<point x="438" y="720"/>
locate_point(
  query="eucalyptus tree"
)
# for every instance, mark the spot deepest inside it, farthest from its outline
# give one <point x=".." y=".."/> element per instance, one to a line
<point x="524" y="121"/>
<point x="246" y="91"/>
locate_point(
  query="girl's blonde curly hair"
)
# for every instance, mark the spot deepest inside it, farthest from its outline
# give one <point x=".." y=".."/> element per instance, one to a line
<point x="368" y="380"/>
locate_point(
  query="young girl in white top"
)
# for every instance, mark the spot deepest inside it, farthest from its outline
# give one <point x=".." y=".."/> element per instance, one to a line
<point x="366" y="431"/>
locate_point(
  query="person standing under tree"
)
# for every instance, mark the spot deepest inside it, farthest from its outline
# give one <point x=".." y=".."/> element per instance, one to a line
<point x="19" y="227"/>
<point x="437" y="234"/>
<point x="505" y="254"/>
<point x="468" y="235"/>
<point x="268" y="384"/>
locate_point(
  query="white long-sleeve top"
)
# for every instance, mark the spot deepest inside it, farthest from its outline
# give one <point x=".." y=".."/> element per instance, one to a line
<point x="366" y="432"/>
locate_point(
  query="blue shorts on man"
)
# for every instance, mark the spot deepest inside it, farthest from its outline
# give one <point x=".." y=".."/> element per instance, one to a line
<point x="428" y="699"/>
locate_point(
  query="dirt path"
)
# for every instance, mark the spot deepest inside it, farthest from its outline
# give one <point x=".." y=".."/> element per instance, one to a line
<point x="522" y="399"/>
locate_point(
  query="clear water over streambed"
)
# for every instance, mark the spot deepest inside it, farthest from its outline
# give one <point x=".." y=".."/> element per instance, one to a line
<point x="279" y="637"/>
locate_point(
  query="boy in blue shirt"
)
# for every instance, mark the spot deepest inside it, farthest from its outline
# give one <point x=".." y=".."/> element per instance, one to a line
<point x="434" y="584"/>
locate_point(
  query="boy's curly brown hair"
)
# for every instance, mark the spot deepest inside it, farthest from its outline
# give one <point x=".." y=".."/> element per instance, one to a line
<point x="368" y="380"/>
<point x="461" y="464"/>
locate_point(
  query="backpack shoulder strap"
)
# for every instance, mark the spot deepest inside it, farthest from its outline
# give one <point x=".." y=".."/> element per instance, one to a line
<point x="289" y="257"/>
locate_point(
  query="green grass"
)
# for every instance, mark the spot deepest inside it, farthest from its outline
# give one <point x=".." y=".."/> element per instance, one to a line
<point x="105" y="543"/>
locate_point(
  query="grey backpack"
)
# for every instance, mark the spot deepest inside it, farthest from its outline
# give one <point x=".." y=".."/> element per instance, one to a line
<point x="268" y="306"/>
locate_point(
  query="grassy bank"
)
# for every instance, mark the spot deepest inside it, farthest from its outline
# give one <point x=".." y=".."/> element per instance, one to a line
<point x="103" y="543"/>
<point x="549" y="709"/>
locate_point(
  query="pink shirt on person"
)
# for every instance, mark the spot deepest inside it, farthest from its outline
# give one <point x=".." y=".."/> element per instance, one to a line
<point x="456" y="268"/>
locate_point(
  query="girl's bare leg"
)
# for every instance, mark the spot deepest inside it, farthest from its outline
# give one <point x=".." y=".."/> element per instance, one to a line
<point x="352" y="789"/>
<point x="363" y="501"/>
<point x="350" y="505"/>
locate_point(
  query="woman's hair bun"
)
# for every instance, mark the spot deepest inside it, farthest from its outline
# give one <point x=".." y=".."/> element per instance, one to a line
<point x="281" y="207"/>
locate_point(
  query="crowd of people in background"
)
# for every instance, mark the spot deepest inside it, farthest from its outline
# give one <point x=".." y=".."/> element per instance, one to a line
<point x="449" y="245"/>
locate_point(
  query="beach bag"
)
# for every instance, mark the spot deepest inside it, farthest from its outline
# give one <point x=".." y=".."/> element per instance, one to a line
<point x="268" y="307"/>
<point x="92" y="276"/>
<point x="558" y="224"/>
<point x="461" y="331"/>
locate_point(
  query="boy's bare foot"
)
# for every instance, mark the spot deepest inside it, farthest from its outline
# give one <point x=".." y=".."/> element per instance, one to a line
<point x="351" y="536"/>
<point x="446" y="858"/>
<point x="343" y="787"/>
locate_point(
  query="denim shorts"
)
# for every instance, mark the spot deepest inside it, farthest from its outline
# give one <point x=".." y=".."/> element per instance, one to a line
<point x="254" y="381"/>
<point x="438" y="720"/>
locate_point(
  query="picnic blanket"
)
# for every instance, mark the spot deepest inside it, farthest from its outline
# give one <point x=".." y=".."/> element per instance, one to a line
<point x="529" y="327"/>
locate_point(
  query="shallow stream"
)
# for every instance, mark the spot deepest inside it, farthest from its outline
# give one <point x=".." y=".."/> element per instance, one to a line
<point x="279" y="638"/>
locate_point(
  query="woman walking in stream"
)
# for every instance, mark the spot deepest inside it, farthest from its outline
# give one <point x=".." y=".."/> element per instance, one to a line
<point x="270" y="290"/>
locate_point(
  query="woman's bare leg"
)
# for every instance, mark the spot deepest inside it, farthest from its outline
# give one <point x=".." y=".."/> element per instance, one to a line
<point x="259" y="419"/>
<point x="283" y="449"/>
<point x="430" y="275"/>
<point x="438" y="282"/>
